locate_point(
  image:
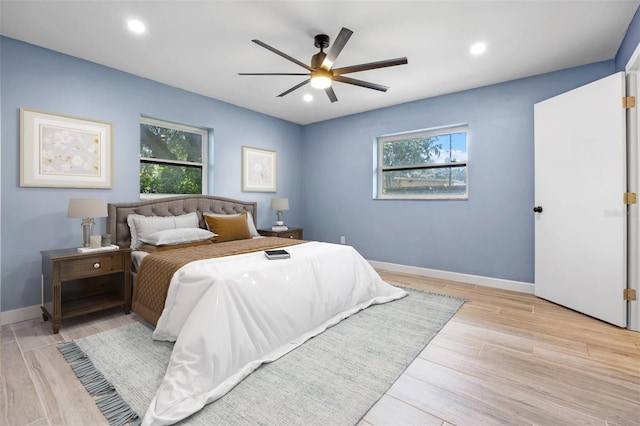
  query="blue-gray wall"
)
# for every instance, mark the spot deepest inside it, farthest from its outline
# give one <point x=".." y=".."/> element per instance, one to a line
<point x="491" y="234"/>
<point x="325" y="169"/>
<point x="34" y="219"/>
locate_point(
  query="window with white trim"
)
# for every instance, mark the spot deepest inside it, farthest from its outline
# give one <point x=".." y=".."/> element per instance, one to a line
<point x="425" y="164"/>
<point x="173" y="158"/>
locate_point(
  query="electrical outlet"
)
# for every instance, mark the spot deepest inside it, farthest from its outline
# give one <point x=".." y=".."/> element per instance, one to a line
<point x="342" y="239"/>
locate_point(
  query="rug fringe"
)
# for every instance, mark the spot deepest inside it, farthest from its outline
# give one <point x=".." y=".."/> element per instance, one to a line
<point x="111" y="405"/>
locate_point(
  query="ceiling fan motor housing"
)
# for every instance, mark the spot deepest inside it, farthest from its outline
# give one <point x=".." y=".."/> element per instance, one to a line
<point x="316" y="60"/>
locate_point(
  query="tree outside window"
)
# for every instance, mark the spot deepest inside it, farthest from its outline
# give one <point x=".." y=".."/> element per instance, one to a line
<point x="429" y="164"/>
<point x="171" y="158"/>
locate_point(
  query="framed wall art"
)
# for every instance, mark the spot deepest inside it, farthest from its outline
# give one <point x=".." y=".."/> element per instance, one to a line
<point x="258" y="170"/>
<point x="64" y="152"/>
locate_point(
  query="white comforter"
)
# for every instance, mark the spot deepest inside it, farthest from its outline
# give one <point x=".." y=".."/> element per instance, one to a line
<point x="232" y="314"/>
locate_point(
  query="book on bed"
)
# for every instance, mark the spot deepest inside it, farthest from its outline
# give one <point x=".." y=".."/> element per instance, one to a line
<point x="277" y="254"/>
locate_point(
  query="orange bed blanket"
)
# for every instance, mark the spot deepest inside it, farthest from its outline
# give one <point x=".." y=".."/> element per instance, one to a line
<point x="157" y="268"/>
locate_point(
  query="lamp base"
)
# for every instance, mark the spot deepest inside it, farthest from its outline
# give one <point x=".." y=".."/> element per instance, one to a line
<point x="87" y="227"/>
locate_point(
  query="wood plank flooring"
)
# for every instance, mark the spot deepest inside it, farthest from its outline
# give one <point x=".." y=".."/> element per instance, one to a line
<point x="505" y="358"/>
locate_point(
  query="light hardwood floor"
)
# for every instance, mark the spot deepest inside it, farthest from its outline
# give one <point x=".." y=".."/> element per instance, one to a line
<point x="504" y="358"/>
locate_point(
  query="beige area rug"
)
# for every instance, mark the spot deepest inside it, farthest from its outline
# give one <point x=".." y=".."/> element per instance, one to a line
<point x="332" y="379"/>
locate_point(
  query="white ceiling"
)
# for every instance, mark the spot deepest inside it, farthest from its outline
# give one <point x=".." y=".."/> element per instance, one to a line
<point x="200" y="46"/>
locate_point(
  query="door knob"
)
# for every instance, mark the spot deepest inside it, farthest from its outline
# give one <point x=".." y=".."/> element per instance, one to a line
<point x="537" y="209"/>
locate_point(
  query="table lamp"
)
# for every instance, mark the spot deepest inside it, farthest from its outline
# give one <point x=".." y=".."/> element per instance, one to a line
<point x="87" y="209"/>
<point x="279" y="204"/>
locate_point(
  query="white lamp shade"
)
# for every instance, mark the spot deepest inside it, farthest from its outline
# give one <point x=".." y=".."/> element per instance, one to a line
<point x="279" y="204"/>
<point x="87" y="208"/>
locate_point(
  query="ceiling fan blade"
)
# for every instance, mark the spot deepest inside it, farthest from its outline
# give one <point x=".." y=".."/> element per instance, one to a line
<point x="370" y="66"/>
<point x="284" y="55"/>
<point x="331" y="94"/>
<point x="297" y="86"/>
<point x="336" y="48"/>
<point x="360" y="83"/>
<point x="273" y="73"/>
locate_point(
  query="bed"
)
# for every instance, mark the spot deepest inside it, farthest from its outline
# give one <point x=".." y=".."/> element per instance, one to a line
<point x="149" y="296"/>
<point x="227" y="307"/>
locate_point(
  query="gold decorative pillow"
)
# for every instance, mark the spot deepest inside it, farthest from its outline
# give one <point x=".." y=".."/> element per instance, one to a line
<point x="233" y="227"/>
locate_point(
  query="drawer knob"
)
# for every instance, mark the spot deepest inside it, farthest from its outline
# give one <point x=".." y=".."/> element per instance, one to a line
<point x="290" y="236"/>
<point x="96" y="265"/>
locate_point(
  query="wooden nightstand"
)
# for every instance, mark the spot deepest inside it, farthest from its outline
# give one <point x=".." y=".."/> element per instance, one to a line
<point x="295" y="233"/>
<point x="79" y="283"/>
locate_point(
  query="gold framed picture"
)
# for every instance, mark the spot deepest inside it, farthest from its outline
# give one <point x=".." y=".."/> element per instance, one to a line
<point x="64" y="152"/>
<point x="258" y="170"/>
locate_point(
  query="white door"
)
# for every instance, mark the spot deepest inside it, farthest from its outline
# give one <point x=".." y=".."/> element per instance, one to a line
<point x="580" y="179"/>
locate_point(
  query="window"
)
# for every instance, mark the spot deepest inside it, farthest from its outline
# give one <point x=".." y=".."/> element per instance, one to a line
<point x="172" y="158"/>
<point x="427" y="164"/>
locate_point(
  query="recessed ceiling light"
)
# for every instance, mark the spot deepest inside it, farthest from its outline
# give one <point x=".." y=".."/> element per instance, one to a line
<point x="136" y="26"/>
<point x="478" y="49"/>
<point x="307" y="98"/>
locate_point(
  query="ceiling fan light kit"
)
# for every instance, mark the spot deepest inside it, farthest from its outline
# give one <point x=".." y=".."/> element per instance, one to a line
<point x="321" y="72"/>
<point x="320" y="79"/>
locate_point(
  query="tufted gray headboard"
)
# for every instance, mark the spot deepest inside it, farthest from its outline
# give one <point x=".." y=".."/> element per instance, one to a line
<point x="172" y="206"/>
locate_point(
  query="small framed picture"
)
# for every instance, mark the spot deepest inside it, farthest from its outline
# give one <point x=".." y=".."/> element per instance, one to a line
<point x="258" y="170"/>
<point x="63" y="151"/>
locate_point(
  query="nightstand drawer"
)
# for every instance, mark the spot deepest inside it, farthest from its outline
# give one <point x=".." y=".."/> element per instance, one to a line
<point x="294" y="233"/>
<point x="289" y="234"/>
<point x="91" y="266"/>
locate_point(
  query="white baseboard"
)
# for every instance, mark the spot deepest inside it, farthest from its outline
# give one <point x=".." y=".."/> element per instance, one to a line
<point x="21" y="314"/>
<point x="520" y="286"/>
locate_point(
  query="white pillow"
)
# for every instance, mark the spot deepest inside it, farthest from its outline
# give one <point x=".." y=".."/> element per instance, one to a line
<point x="252" y="226"/>
<point x="177" y="236"/>
<point x="142" y="226"/>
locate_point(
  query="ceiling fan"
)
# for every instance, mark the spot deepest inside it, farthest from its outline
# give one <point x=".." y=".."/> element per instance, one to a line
<point x="321" y="72"/>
